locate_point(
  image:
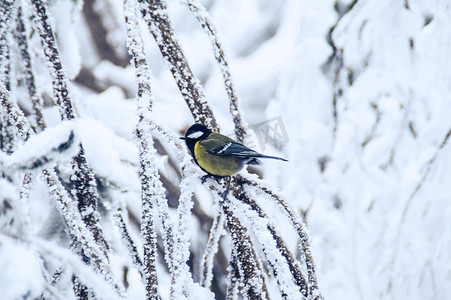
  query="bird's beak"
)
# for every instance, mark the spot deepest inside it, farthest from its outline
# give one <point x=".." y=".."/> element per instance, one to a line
<point x="183" y="138"/>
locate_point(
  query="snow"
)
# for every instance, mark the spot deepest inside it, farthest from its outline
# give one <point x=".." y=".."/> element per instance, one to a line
<point x="366" y="138"/>
<point x="20" y="270"/>
<point x="54" y="145"/>
<point x="118" y="153"/>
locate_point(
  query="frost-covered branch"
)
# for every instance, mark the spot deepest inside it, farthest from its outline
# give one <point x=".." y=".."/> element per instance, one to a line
<point x="51" y="53"/>
<point x="210" y="250"/>
<point x="7" y="138"/>
<point x="233" y="278"/>
<point x="86" y="276"/>
<point x="6" y="135"/>
<point x="128" y="241"/>
<point x="15" y="117"/>
<point x="250" y="274"/>
<point x="85" y="188"/>
<point x="203" y="17"/>
<point x="85" y="191"/>
<point x="66" y="206"/>
<point x="278" y="255"/>
<point x="152" y="192"/>
<point x="78" y="229"/>
<point x="6" y="8"/>
<point x="182" y="280"/>
<point x="20" y="35"/>
<point x="154" y="13"/>
<point x="302" y="233"/>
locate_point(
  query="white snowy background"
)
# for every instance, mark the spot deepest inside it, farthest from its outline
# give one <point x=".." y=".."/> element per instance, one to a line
<point x="367" y="124"/>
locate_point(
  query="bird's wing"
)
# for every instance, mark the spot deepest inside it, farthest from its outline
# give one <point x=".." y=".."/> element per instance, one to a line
<point x="234" y="149"/>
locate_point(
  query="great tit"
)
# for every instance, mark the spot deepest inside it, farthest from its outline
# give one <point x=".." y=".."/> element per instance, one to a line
<point x="217" y="154"/>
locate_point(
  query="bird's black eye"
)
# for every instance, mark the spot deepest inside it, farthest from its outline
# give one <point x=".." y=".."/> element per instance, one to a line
<point x="195" y="135"/>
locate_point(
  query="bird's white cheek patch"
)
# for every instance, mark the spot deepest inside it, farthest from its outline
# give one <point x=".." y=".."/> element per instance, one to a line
<point x="195" y="135"/>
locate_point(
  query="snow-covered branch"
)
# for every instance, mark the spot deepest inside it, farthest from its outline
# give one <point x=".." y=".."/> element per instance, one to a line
<point x="51" y="53"/>
<point x="128" y="242"/>
<point x="151" y="186"/>
<point x="250" y="272"/>
<point x="203" y="17"/>
<point x="78" y="229"/>
<point x="66" y="206"/>
<point x="20" y="35"/>
<point x="6" y="8"/>
<point x="16" y="117"/>
<point x="210" y="250"/>
<point x="304" y="238"/>
<point x="84" y="183"/>
<point x="155" y="15"/>
<point x="277" y="253"/>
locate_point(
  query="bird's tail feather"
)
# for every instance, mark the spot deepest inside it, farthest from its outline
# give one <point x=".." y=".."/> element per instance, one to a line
<point x="272" y="157"/>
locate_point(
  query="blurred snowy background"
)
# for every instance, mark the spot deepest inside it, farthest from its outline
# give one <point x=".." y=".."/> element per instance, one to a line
<point x="362" y="89"/>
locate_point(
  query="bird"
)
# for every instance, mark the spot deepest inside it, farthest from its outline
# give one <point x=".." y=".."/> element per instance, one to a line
<point x="218" y="155"/>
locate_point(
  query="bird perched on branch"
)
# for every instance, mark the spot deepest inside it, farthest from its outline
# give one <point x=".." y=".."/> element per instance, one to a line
<point x="218" y="155"/>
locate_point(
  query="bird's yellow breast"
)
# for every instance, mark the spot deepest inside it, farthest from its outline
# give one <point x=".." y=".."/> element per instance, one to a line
<point x="215" y="165"/>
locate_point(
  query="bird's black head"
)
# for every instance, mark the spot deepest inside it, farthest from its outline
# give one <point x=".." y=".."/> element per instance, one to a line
<point x="195" y="133"/>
